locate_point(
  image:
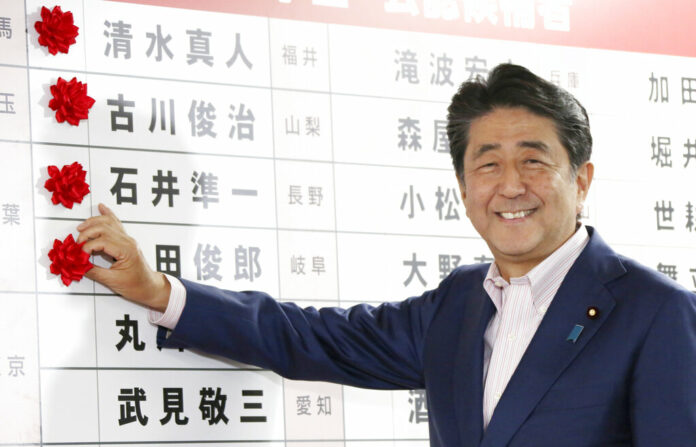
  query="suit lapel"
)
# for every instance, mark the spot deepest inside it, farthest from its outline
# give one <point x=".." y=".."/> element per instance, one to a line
<point x="549" y="352"/>
<point x="468" y="364"/>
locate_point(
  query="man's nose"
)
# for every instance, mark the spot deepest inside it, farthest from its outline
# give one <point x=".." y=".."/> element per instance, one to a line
<point x="511" y="183"/>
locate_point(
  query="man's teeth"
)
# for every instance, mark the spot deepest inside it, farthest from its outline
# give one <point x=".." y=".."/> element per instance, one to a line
<point x="516" y="215"/>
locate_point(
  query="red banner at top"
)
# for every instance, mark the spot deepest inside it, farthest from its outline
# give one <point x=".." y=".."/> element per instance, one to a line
<point x="645" y="26"/>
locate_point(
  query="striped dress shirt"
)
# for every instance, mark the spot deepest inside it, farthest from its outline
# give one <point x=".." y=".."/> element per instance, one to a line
<point x="520" y="306"/>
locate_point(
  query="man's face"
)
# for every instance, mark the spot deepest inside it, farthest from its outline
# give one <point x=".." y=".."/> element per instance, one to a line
<point x="518" y="188"/>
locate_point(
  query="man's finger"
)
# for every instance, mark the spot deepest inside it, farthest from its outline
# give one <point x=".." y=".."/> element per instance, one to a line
<point x="109" y="215"/>
<point x="106" y="219"/>
<point x="98" y="230"/>
<point x="105" y="210"/>
<point x="99" y="274"/>
<point x="109" y="220"/>
<point x="90" y="221"/>
<point x="91" y="232"/>
<point x="103" y="244"/>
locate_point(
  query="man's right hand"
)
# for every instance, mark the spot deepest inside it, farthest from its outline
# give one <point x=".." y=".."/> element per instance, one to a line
<point x="129" y="276"/>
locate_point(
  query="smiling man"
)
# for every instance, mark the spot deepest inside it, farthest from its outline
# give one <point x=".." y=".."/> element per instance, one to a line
<point x="560" y="342"/>
<point x="523" y="195"/>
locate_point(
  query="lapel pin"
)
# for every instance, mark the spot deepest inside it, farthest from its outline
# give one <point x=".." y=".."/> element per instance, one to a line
<point x="575" y="333"/>
<point x="592" y="313"/>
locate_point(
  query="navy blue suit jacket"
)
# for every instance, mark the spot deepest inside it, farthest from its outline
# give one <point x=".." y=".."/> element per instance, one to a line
<point x="628" y="380"/>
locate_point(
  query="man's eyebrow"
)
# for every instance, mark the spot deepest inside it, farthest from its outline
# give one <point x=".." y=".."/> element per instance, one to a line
<point x="533" y="144"/>
<point x="539" y="145"/>
<point x="485" y="148"/>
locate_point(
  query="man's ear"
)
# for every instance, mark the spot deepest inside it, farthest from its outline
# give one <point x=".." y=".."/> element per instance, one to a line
<point x="462" y="188"/>
<point x="583" y="179"/>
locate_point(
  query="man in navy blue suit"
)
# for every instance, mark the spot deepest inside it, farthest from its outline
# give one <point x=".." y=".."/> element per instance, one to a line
<point x="559" y="342"/>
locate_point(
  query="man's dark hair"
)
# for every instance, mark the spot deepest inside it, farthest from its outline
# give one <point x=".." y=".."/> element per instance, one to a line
<point x="511" y="85"/>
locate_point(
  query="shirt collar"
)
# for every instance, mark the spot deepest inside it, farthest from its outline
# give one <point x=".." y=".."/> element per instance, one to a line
<point x="559" y="262"/>
<point x="549" y="272"/>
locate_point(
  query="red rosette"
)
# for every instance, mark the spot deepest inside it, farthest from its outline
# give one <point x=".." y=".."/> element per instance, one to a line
<point x="67" y="184"/>
<point x="70" y="101"/>
<point x="69" y="260"/>
<point x="56" y="29"/>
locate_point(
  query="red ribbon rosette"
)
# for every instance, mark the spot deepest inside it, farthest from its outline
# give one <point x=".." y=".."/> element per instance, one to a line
<point x="67" y="185"/>
<point x="56" y="29"/>
<point x="69" y="260"/>
<point x="70" y="101"/>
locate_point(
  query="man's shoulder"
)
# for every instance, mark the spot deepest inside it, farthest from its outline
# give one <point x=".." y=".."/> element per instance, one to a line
<point x="642" y="285"/>
<point x="625" y="277"/>
<point x="467" y="277"/>
<point x="636" y="271"/>
<point x="470" y="272"/>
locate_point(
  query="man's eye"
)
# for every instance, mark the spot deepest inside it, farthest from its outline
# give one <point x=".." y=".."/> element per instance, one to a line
<point x="532" y="161"/>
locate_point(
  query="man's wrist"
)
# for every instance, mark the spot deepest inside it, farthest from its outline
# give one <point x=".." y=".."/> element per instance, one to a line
<point x="164" y="289"/>
<point x="169" y="317"/>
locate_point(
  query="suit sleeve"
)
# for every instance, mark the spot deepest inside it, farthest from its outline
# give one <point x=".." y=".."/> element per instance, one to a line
<point x="364" y="346"/>
<point x="663" y="395"/>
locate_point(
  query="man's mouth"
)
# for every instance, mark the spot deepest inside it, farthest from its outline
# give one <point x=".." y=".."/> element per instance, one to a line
<point x="509" y="215"/>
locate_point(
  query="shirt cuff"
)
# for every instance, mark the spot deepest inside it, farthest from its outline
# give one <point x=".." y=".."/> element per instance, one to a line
<point x="177" y="301"/>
